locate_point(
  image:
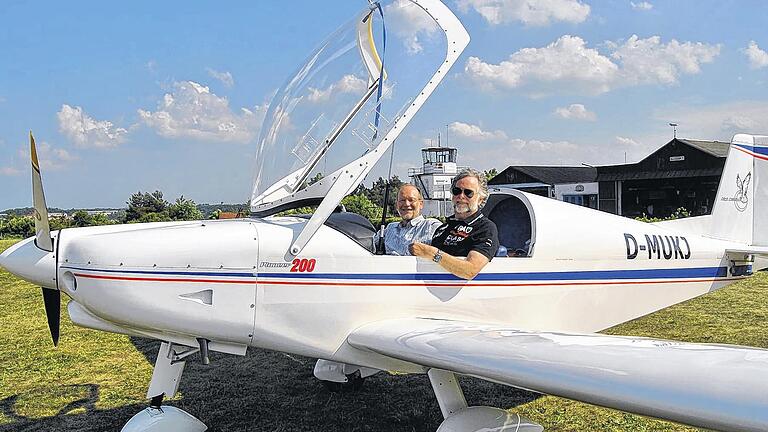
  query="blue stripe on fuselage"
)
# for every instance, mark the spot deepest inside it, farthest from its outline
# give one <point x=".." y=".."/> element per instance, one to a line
<point x="676" y="273"/>
<point x="754" y="149"/>
<point x="679" y="273"/>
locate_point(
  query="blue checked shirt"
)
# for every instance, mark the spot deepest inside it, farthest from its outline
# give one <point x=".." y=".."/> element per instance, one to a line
<point x="397" y="238"/>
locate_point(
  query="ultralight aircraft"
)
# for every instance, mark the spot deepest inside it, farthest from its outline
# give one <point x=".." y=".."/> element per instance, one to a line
<point x="314" y="286"/>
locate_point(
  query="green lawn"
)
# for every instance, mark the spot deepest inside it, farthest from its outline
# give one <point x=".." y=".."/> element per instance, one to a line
<point x="96" y="381"/>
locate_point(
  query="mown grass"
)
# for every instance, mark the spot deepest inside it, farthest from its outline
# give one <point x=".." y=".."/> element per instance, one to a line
<point x="96" y="381"/>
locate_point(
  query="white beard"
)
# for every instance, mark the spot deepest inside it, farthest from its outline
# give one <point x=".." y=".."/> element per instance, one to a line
<point x="462" y="208"/>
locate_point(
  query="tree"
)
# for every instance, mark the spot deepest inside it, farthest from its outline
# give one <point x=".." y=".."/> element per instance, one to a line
<point x="361" y="205"/>
<point x="153" y="217"/>
<point x="491" y="173"/>
<point x="81" y="218"/>
<point x="101" y="219"/>
<point x="17" y="226"/>
<point x="184" y="209"/>
<point x="142" y="204"/>
<point x="376" y="193"/>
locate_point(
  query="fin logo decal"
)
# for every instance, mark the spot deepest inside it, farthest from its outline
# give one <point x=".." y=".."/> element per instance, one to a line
<point x="658" y="246"/>
<point x="741" y="198"/>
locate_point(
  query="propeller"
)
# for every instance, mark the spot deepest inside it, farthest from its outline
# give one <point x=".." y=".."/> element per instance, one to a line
<point x="43" y="240"/>
<point x="42" y="228"/>
<point x="52" y="302"/>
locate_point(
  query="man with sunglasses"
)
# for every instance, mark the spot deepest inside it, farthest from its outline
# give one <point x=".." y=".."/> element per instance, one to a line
<point x="468" y="233"/>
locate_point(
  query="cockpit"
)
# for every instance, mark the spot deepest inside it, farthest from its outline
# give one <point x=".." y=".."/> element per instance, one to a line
<point x="508" y="211"/>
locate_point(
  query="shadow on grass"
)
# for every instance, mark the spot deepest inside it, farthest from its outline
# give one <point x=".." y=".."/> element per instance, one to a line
<point x="271" y="391"/>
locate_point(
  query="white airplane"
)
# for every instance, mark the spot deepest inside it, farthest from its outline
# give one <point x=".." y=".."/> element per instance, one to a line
<point x="313" y="286"/>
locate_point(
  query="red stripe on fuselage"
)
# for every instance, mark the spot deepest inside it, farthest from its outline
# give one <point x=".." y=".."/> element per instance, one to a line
<point x="752" y="154"/>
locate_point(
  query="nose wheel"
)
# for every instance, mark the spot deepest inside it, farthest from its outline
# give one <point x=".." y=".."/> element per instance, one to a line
<point x="165" y="382"/>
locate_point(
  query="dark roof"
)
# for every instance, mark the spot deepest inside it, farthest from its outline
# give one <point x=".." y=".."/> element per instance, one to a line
<point x="645" y="169"/>
<point x="551" y="174"/>
<point x="715" y="148"/>
<point x="644" y="175"/>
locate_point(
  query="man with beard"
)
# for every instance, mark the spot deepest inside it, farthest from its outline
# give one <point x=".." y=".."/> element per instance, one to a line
<point x="468" y="233"/>
<point x="412" y="228"/>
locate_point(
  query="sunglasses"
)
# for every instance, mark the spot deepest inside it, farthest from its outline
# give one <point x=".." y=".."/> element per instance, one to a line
<point x="467" y="192"/>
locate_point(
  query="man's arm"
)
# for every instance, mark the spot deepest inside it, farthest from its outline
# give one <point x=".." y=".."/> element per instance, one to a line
<point x="466" y="269"/>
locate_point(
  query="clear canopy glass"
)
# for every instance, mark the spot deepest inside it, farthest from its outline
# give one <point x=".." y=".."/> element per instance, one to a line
<point x="324" y="116"/>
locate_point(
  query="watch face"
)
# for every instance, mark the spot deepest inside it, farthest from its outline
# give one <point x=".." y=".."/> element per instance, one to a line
<point x="438" y="256"/>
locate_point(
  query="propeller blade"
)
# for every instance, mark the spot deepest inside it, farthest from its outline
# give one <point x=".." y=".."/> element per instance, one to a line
<point x="52" y="301"/>
<point x="42" y="229"/>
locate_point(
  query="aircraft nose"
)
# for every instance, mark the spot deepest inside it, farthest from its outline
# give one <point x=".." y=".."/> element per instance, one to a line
<point x="27" y="261"/>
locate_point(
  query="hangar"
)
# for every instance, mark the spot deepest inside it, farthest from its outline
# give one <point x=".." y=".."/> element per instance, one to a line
<point x="682" y="173"/>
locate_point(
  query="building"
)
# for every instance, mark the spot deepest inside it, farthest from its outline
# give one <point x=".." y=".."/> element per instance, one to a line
<point x="577" y="185"/>
<point x="682" y="173"/>
<point x="434" y="179"/>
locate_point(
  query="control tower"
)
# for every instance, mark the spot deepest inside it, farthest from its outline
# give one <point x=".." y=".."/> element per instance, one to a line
<point x="434" y="179"/>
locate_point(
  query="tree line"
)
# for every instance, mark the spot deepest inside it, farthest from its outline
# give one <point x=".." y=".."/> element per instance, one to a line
<point x="152" y="207"/>
<point x="141" y="207"/>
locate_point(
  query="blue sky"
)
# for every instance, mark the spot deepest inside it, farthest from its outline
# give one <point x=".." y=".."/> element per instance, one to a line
<point x="542" y="82"/>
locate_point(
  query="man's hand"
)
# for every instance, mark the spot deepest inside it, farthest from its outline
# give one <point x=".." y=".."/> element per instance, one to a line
<point x="422" y="250"/>
<point x="464" y="268"/>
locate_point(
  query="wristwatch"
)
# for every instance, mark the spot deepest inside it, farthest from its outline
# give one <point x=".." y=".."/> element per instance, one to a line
<point x="438" y="256"/>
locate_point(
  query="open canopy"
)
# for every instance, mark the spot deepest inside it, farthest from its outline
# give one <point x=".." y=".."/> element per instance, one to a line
<point x="330" y="123"/>
<point x="324" y="116"/>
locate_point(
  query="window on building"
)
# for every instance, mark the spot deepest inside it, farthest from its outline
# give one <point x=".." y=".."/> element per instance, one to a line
<point x="582" y="200"/>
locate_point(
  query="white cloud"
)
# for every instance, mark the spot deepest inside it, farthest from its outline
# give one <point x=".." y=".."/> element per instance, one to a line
<point x="528" y="12"/>
<point x="566" y="60"/>
<point x="519" y="151"/>
<point x="347" y="84"/>
<point x="568" y="65"/>
<point x="410" y="23"/>
<point x="644" y="5"/>
<point x="85" y="131"/>
<point x="51" y="158"/>
<point x="575" y="112"/>
<point x="718" y="122"/>
<point x="485" y="149"/>
<point x="757" y="57"/>
<point x="9" y="171"/>
<point x="474" y="132"/>
<point x="648" y="61"/>
<point x="224" y="77"/>
<point x="192" y="111"/>
<point x="624" y="141"/>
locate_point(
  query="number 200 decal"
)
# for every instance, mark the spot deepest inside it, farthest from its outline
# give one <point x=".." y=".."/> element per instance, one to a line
<point x="303" y="265"/>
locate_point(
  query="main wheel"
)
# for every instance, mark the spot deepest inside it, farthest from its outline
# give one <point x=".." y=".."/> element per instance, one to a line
<point x="354" y="382"/>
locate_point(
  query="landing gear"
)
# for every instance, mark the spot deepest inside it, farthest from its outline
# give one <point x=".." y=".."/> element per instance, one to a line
<point x="354" y="382"/>
<point x="165" y="381"/>
<point x="461" y="418"/>
<point x="339" y="377"/>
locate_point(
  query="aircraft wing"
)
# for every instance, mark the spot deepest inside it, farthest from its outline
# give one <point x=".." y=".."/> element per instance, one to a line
<point x="713" y="386"/>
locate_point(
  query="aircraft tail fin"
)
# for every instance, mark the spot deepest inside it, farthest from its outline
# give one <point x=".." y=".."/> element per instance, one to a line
<point x="740" y="212"/>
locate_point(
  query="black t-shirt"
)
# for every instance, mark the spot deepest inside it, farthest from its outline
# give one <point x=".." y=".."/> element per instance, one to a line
<point x="459" y="237"/>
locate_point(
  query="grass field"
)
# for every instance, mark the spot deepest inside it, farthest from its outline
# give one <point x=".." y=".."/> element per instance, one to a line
<point x="96" y="381"/>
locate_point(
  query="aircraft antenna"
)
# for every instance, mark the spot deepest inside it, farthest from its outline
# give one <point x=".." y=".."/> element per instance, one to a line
<point x="380" y="247"/>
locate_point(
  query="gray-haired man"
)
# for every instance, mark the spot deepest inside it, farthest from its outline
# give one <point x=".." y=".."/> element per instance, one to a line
<point x="465" y="234"/>
<point x="413" y="227"/>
